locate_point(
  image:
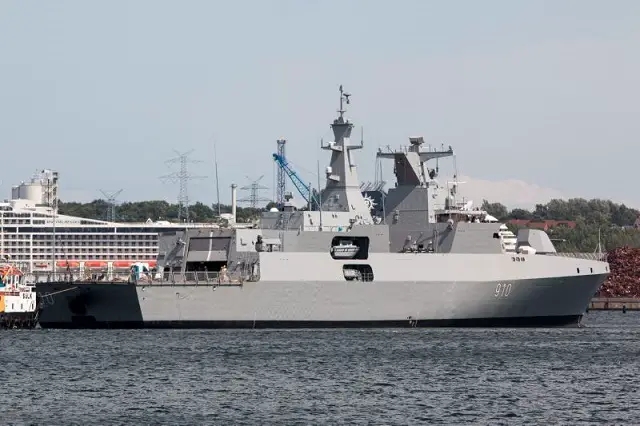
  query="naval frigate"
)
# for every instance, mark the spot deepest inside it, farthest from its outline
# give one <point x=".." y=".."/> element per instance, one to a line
<point x="425" y="260"/>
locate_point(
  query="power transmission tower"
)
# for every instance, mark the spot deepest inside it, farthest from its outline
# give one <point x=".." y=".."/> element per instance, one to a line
<point x="281" y="184"/>
<point x="254" y="193"/>
<point x="183" y="177"/>
<point x="111" y="198"/>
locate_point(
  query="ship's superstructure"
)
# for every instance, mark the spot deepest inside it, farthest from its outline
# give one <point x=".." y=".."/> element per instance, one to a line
<point x="31" y="228"/>
<point x="426" y="260"/>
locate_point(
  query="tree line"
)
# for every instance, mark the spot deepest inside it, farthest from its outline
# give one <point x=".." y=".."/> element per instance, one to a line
<point x="141" y="211"/>
<point x="596" y="220"/>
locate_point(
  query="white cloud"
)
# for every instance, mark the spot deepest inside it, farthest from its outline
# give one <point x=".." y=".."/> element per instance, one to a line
<point x="512" y="192"/>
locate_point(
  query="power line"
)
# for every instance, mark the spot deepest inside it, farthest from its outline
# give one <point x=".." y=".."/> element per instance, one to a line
<point x="254" y="193"/>
<point x="183" y="177"/>
<point x="111" y="198"/>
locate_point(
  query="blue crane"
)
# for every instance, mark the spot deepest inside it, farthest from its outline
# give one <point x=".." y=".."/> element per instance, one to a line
<point x="302" y="188"/>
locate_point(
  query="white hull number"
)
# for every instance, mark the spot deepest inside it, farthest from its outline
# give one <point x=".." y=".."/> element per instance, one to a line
<point x="503" y="290"/>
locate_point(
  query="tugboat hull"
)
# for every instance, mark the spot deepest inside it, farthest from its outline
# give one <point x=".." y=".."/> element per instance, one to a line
<point x="18" y="320"/>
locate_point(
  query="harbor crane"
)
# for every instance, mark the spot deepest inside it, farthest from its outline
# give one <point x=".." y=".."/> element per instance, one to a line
<point x="304" y="189"/>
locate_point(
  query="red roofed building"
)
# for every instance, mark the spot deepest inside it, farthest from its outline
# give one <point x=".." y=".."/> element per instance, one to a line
<point x="545" y="225"/>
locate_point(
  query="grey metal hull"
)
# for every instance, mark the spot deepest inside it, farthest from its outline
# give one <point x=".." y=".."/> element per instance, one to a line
<point x="553" y="301"/>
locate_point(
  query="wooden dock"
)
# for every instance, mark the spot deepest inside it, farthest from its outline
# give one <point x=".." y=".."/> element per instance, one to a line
<point x="614" y="304"/>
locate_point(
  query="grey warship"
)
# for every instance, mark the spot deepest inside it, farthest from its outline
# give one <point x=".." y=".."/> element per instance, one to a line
<point x="423" y="260"/>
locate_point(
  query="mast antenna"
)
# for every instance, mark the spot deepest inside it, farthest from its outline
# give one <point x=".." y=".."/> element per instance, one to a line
<point x="598" y="249"/>
<point x="215" y="156"/>
<point x="344" y="97"/>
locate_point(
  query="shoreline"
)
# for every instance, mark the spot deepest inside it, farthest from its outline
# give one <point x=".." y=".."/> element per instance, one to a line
<point x="614" y="304"/>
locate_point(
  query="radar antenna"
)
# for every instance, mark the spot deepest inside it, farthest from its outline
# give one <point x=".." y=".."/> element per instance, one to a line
<point x="344" y="97"/>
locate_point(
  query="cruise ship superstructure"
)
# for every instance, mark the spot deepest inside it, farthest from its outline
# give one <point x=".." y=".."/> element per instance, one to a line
<point x="30" y="228"/>
<point x="426" y="260"/>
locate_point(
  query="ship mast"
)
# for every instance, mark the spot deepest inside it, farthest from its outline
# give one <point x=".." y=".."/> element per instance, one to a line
<point x="344" y="96"/>
<point x="342" y="191"/>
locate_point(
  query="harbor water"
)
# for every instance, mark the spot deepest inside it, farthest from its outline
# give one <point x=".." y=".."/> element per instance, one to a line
<point x="374" y="376"/>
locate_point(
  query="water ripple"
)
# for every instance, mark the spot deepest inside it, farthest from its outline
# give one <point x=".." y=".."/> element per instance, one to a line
<point x="439" y="376"/>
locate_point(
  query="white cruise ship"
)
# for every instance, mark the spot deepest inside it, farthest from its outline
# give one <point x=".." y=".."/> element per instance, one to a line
<point x="29" y="231"/>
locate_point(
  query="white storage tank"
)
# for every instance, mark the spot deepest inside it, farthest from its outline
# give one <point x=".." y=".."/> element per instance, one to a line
<point x="31" y="191"/>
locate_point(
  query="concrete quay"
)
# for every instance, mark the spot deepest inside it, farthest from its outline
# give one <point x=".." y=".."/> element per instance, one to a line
<point x="614" y="304"/>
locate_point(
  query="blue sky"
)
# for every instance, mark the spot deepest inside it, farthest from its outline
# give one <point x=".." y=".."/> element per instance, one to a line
<point x="538" y="98"/>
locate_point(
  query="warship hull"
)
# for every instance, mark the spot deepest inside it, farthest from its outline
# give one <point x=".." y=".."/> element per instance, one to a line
<point x="542" y="302"/>
<point x="427" y="262"/>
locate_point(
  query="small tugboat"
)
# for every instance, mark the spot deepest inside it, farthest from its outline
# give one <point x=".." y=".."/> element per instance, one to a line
<point x="18" y="302"/>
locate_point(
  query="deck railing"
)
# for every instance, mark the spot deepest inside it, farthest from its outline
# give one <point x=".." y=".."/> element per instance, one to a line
<point x="587" y="256"/>
<point x="162" y="278"/>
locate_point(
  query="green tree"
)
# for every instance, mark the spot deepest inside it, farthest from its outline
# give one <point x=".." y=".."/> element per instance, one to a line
<point x="497" y="210"/>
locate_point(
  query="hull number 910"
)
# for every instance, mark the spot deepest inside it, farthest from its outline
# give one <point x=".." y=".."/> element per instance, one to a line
<point x="503" y="290"/>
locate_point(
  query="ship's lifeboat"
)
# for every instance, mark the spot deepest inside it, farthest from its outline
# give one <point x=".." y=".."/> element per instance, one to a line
<point x="152" y="263"/>
<point x="67" y="263"/>
<point x="9" y="271"/>
<point x="41" y="265"/>
<point x="345" y="250"/>
<point x="122" y="264"/>
<point x="95" y="264"/>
